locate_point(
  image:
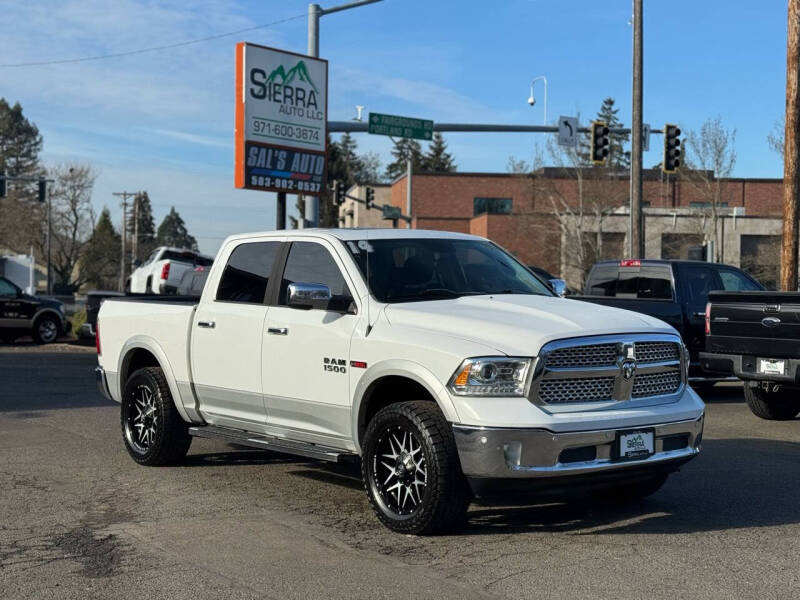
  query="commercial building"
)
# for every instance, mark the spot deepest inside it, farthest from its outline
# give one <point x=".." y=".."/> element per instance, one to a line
<point x="565" y="219"/>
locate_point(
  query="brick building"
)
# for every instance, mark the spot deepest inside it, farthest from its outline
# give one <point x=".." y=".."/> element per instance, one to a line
<point x="538" y="217"/>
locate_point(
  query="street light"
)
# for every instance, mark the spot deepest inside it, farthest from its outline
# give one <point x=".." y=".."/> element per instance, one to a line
<point x="532" y="100"/>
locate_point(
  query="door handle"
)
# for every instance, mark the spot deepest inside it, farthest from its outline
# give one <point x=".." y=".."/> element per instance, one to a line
<point x="206" y="324"/>
<point x="700" y="315"/>
<point x="277" y="331"/>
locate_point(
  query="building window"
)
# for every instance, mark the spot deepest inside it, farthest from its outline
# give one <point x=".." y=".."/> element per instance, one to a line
<point x="760" y="256"/>
<point x="707" y="204"/>
<point x="676" y="245"/>
<point x="492" y="206"/>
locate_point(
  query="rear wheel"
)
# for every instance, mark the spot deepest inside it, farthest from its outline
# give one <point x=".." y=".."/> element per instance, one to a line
<point x="411" y="470"/>
<point x="153" y="431"/>
<point x="45" y="329"/>
<point x="779" y="404"/>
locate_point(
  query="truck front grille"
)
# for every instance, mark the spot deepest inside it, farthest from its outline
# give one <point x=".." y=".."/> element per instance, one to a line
<point x="656" y="384"/>
<point x="608" y="368"/>
<point x="595" y="389"/>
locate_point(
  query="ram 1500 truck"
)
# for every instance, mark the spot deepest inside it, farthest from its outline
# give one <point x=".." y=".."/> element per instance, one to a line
<point x="756" y="337"/>
<point x="675" y="291"/>
<point x="436" y="358"/>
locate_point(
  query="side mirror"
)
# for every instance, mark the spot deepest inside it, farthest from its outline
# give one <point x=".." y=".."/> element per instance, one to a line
<point x="559" y="287"/>
<point x="307" y="295"/>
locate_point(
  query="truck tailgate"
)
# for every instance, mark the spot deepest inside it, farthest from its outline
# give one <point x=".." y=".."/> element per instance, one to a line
<point x="755" y="323"/>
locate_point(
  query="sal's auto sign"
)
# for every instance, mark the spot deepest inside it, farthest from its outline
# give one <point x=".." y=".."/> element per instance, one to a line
<point x="281" y="120"/>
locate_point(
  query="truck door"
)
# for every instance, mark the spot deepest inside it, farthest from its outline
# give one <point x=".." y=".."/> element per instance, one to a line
<point x="697" y="281"/>
<point x="306" y="353"/>
<point x="226" y="337"/>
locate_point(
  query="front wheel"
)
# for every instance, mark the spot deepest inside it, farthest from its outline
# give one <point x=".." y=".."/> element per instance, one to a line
<point x="774" y="405"/>
<point x="45" y="329"/>
<point x="411" y="470"/>
<point x="153" y="431"/>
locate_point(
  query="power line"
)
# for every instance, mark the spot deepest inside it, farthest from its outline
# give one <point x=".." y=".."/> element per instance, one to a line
<point x="151" y="49"/>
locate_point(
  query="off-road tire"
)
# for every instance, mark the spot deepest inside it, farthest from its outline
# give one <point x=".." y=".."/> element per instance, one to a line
<point x="446" y="496"/>
<point x="168" y="439"/>
<point x="782" y="405"/>
<point x="46" y="329"/>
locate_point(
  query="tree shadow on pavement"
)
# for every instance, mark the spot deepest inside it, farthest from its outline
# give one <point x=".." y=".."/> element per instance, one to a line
<point x="734" y="483"/>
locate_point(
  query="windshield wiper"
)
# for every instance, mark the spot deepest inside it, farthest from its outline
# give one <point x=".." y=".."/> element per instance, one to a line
<point x="442" y="293"/>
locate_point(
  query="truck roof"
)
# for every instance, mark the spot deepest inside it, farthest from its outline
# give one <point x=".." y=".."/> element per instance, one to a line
<point x="655" y="261"/>
<point x="358" y="233"/>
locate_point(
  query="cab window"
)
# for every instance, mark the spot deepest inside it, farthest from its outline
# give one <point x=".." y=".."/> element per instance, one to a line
<point x="309" y="262"/>
<point x="246" y="275"/>
<point x="7" y="288"/>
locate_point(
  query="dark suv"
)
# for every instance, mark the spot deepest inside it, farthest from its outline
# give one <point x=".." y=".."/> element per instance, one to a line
<point x="21" y="314"/>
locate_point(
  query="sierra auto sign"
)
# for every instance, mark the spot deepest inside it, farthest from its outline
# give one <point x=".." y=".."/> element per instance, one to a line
<point x="281" y="120"/>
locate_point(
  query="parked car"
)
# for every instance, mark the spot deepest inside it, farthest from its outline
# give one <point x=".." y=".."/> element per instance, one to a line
<point x="163" y="269"/>
<point x="675" y="291"/>
<point x="435" y="357"/>
<point x="754" y="336"/>
<point x="93" y="301"/>
<point x="192" y="282"/>
<point x="22" y="314"/>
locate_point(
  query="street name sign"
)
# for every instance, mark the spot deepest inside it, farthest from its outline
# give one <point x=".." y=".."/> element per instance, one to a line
<point x="405" y="127"/>
<point x="281" y="121"/>
<point x="568" y="131"/>
<point x="646" y="137"/>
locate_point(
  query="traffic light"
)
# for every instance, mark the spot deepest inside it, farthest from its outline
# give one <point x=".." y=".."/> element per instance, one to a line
<point x="599" y="142"/>
<point x="672" y="149"/>
<point x="338" y="193"/>
<point x="2" y="185"/>
<point x="42" y="190"/>
<point x="370" y="197"/>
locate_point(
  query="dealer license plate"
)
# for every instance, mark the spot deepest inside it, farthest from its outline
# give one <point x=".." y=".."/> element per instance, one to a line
<point x="636" y="444"/>
<point x="771" y="367"/>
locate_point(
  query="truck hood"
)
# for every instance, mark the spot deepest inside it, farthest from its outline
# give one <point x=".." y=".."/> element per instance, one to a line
<point x="519" y="325"/>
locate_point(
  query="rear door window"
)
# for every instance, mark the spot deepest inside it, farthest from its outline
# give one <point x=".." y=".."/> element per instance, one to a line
<point x="699" y="281"/>
<point x="247" y="273"/>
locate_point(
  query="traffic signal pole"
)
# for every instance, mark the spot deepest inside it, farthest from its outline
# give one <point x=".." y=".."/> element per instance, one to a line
<point x="791" y="152"/>
<point x="636" y="236"/>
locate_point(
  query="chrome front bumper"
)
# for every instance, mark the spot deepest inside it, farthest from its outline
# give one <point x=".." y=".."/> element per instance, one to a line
<point x="520" y="453"/>
<point x="102" y="382"/>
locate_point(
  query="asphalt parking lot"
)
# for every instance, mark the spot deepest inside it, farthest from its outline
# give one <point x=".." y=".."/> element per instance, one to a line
<point x="78" y="519"/>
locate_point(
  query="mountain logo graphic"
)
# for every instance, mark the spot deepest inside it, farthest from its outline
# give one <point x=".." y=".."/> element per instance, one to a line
<point x="299" y="71"/>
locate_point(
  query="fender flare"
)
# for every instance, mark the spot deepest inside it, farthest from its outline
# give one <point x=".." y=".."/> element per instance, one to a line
<point x="147" y="343"/>
<point x="48" y="310"/>
<point x="401" y="368"/>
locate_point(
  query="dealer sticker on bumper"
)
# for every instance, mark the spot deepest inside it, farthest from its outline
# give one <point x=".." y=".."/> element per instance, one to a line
<point x="635" y="444"/>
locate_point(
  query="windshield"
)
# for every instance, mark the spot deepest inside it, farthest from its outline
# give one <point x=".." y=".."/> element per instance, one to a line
<point x="414" y="269"/>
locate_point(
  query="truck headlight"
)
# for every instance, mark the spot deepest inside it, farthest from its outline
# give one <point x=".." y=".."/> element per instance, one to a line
<point x="492" y="376"/>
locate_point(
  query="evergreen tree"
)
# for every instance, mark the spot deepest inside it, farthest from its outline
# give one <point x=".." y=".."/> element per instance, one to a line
<point x="21" y="217"/>
<point x="437" y="158"/>
<point x="99" y="264"/>
<point x="404" y="149"/>
<point x="173" y="232"/>
<point x="619" y="159"/>
<point x="146" y="231"/>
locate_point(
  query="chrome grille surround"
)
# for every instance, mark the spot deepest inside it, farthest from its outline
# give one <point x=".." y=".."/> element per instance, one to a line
<point x="583" y="370"/>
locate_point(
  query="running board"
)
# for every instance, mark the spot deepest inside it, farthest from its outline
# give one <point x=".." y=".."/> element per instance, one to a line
<point x="266" y="442"/>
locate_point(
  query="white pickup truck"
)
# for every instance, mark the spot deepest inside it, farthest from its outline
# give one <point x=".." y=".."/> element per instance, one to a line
<point x="436" y="358"/>
<point x="161" y="273"/>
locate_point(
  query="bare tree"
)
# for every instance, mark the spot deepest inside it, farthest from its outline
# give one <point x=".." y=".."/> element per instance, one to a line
<point x="775" y="137"/>
<point x="711" y="159"/>
<point x="72" y="220"/>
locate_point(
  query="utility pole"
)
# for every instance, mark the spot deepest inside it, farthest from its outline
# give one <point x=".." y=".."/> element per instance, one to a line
<point x="315" y="11"/>
<point x="409" y="169"/>
<point x="49" y="235"/>
<point x="135" y="244"/>
<point x="791" y="152"/>
<point x="124" y="196"/>
<point x="636" y="237"/>
<point x="280" y="211"/>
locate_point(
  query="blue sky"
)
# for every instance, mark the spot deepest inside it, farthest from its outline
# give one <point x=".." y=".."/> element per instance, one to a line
<point x="163" y="121"/>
